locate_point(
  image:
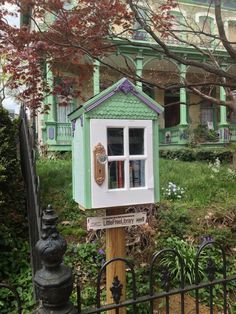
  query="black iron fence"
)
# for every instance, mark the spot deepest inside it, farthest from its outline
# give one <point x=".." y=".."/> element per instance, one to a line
<point x="28" y="166"/>
<point x="174" y="287"/>
<point x="210" y="283"/>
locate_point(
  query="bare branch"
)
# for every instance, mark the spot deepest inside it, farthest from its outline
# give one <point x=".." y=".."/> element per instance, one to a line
<point x="220" y="25"/>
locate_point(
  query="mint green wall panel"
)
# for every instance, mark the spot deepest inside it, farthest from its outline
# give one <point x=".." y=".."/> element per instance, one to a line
<point x="78" y="162"/>
<point x="156" y="168"/>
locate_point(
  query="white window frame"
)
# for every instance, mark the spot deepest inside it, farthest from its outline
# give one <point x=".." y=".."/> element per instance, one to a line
<point x="102" y="196"/>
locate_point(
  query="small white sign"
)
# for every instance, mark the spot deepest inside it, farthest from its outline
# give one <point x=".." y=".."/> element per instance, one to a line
<point x="106" y="222"/>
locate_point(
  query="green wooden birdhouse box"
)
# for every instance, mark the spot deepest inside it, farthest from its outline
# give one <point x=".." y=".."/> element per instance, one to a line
<point x="115" y="148"/>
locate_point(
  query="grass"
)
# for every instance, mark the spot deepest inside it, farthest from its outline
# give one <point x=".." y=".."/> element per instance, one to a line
<point x="207" y="208"/>
<point x="201" y="189"/>
<point x="56" y="189"/>
<point x="207" y="194"/>
<point x="202" y="186"/>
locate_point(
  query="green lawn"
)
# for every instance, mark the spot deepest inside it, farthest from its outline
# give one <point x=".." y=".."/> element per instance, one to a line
<point x="207" y="206"/>
<point x="202" y="186"/>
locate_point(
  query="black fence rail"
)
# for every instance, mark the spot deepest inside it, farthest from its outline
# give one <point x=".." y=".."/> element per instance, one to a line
<point x="28" y="166"/>
<point x="171" y="282"/>
<point x="210" y="281"/>
<point x="206" y="281"/>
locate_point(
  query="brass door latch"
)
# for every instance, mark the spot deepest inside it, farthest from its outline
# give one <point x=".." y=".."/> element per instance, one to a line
<point x="100" y="159"/>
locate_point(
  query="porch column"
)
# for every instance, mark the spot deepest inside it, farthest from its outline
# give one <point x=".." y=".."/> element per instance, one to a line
<point x="223" y="111"/>
<point x="51" y="117"/>
<point x="223" y="126"/>
<point x="183" y="97"/>
<point x="139" y="68"/>
<point x="96" y="77"/>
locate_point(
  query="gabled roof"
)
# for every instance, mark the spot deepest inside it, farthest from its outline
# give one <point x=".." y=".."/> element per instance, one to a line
<point x="124" y="86"/>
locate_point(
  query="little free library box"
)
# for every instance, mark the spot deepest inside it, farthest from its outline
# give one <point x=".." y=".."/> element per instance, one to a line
<point x="115" y="148"/>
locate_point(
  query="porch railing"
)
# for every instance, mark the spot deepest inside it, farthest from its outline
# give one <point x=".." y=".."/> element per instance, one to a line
<point x="64" y="133"/>
<point x="141" y="35"/>
<point x="232" y="132"/>
<point x="170" y="135"/>
<point x="58" y="133"/>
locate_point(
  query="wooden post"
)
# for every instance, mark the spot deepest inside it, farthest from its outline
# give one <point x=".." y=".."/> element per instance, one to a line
<point x="234" y="160"/>
<point x="115" y="247"/>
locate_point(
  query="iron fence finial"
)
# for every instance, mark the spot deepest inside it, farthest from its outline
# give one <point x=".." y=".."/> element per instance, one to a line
<point x="54" y="281"/>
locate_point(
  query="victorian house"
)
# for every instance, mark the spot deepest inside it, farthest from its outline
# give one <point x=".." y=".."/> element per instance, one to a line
<point x="185" y="113"/>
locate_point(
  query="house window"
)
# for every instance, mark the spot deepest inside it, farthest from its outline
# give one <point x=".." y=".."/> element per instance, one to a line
<point x="177" y="26"/>
<point x="139" y="33"/>
<point x="207" y="115"/>
<point x="63" y="111"/>
<point x="64" y="98"/>
<point x="206" y="25"/>
<point x="232" y="31"/>
<point x="172" y="110"/>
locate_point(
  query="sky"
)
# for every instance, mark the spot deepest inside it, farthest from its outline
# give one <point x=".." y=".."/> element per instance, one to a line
<point x="9" y="102"/>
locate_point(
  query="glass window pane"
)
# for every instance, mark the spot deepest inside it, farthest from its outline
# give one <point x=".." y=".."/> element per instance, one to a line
<point x="136" y="173"/>
<point x="115" y="141"/>
<point x="136" y="141"/>
<point x="116" y="174"/>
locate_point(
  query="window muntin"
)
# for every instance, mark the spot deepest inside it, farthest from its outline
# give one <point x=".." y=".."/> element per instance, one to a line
<point x="126" y="157"/>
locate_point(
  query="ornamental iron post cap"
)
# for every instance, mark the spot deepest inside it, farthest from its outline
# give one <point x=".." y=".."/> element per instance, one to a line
<point x="51" y="247"/>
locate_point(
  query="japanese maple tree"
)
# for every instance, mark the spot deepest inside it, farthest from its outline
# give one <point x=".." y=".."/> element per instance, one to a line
<point x="60" y="32"/>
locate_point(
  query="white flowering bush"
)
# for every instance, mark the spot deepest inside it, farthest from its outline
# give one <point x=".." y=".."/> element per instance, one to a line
<point x="218" y="170"/>
<point x="215" y="167"/>
<point x="173" y="192"/>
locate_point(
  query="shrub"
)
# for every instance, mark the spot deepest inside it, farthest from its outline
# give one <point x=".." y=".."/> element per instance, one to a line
<point x="186" y="154"/>
<point x="14" y="257"/>
<point x="203" y="134"/>
<point x="11" y="187"/>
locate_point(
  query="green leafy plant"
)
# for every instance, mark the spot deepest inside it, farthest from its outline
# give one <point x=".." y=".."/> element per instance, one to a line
<point x="198" y="154"/>
<point x="203" y="134"/>
<point x="188" y="252"/>
<point x="14" y="258"/>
